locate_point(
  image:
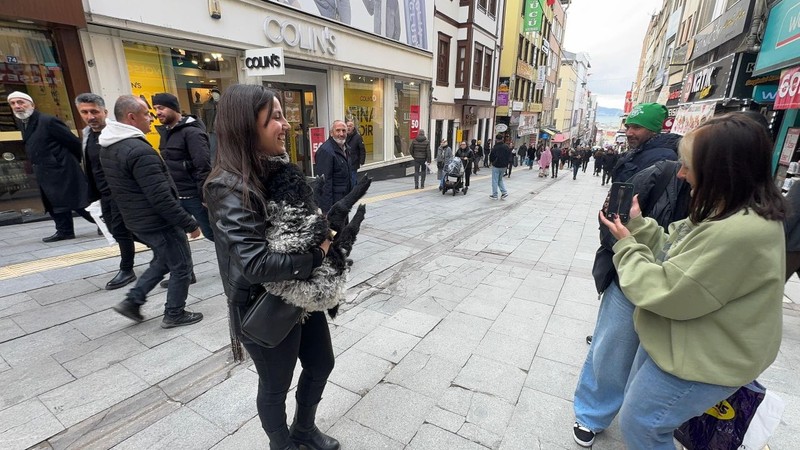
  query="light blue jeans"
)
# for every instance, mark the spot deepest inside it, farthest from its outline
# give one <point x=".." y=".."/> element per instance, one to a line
<point x="601" y="385"/>
<point x="656" y="403"/>
<point x="497" y="180"/>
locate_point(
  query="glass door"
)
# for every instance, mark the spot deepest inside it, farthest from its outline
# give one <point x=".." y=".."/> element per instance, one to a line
<point x="299" y="108"/>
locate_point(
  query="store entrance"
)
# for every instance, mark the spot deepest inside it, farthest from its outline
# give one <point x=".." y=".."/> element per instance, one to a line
<point x="300" y="108"/>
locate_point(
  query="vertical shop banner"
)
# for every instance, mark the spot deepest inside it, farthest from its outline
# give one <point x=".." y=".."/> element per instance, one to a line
<point x="628" y="102"/>
<point x="416" y="27"/>
<point x="789" y="89"/>
<point x="147" y="79"/>
<point x="414" y="118"/>
<point x="533" y="16"/>
<point x="789" y="145"/>
<point x="317" y="137"/>
<point x="360" y="105"/>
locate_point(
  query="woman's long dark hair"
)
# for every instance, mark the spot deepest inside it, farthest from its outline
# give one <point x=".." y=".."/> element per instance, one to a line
<point x="731" y="156"/>
<point x="237" y="135"/>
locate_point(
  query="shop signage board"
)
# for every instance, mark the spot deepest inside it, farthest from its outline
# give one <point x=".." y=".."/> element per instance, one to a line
<point x="264" y="62"/>
<point x="789" y="89"/>
<point x="780" y="47"/>
<point x="691" y="116"/>
<point x="533" y="16"/>
<point x="724" y="28"/>
<point x="317" y="138"/>
<point x="710" y="82"/>
<point x="413" y="115"/>
<point x="765" y="93"/>
<point x="789" y="145"/>
<point x="674" y="96"/>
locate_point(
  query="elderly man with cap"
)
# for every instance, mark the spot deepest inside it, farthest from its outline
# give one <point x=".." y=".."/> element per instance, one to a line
<point x="185" y="149"/>
<point x="55" y="154"/>
<point x="647" y="146"/>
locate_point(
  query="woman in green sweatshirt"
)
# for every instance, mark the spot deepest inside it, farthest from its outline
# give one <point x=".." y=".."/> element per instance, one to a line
<point x="708" y="294"/>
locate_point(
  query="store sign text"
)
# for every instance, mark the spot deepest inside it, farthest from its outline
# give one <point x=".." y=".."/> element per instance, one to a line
<point x="702" y="84"/>
<point x="300" y="35"/>
<point x="264" y="62"/>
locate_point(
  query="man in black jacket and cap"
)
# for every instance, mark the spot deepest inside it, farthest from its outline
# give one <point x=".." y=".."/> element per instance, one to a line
<point x="55" y="154"/>
<point x="356" y="151"/>
<point x="148" y="200"/>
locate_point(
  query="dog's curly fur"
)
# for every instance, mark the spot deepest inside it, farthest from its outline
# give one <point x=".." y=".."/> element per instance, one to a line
<point x="298" y="226"/>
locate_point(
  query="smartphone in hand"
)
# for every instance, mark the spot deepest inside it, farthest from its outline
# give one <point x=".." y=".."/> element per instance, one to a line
<point x="620" y="202"/>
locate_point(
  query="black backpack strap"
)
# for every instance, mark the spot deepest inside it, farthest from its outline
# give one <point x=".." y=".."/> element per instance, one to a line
<point x="662" y="181"/>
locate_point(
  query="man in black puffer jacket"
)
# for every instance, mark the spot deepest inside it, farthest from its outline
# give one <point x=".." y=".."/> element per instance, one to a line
<point x="148" y="201"/>
<point x="332" y="163"/>
<point x="647" y="146"/>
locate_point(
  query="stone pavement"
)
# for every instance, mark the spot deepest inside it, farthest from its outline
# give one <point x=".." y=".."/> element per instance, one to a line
<point x="465" y="329"/>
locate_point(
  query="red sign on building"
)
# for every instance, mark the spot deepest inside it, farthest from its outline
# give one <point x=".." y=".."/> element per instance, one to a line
<point x="317" y="137"/>
<point x="628" y="102"/>
<point x="413" y="116"/>
<point x="789" y="89"/>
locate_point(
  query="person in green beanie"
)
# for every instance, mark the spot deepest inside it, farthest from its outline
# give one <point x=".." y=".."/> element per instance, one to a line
<point x="646" y="143"/>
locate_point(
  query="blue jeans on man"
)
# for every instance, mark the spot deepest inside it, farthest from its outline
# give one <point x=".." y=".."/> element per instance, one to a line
<point x="171" y="254"/>
<point x="353" y="178"/>
<point x="194" y="206"/>
<point x="497" y="181"/>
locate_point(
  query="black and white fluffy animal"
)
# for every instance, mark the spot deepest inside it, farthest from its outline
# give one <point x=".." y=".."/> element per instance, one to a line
<point x="297" y="226"/>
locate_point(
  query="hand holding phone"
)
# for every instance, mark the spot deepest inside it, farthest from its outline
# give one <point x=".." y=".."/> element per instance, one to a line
<point x="620" y="201"/>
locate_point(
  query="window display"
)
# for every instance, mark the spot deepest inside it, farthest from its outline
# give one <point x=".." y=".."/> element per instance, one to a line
<point x="363" y="103"/>
<point x="406" y="114"/>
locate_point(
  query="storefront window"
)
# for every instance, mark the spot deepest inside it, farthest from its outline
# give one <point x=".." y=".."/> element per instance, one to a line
<point x="363" y="103"/>
<point x="30" y="64"/>
<point x="189" y="75"/>
<point x="406" y="114"/>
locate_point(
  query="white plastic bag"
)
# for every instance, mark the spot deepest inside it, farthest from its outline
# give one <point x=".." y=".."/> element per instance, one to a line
<point x="97" y="213"/>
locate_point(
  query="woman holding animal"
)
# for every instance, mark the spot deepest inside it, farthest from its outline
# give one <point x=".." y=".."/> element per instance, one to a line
<point x="275" y="245"/>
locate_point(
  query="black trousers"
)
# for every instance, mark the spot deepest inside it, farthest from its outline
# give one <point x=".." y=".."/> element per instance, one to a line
<point x="63" y="220"/>
<point x="554" y="169"/>
<point x="606" y="176"/>
<point x="311" y="343"/>
<point x="113" y="219"/>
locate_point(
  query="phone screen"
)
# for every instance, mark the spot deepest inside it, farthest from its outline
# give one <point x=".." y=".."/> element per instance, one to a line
<point x="620" y="201"/>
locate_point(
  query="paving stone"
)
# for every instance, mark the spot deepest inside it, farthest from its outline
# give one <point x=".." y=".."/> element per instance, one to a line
<point x="570" y="328"/>
<point x="426" y="374"/>
<point x="229" y="404"/>
<point x="568" y="351"/>
<point x="117" y="423"/>
<point x="26" y="424"/>
<point x="167" y="359"/>
<point x="431" y="437"/>
<point x="74" y="272"/>
<point x="62" y="291"/>
<point x="150" y="332"/>
<point x="31" y="378"/>
<point x="358" y="371"/>
<point x="529" y="330"/>
<point x="363" y="320"/>
<point x="545" y="280"/>
<point x="389" y="344"/>
<point x="576" y="310"/>
<point x="552" y="377"/>
<point x="336" y="402"/>
<point x="43" y="343"/>
<point x="353" y="435"/>
<point x="16" y="303"/>
<point x="481" y="436"/>
<point x="490" y="413"/>
<point x="250" y="435"/>
<point x="538" y="423"/>
<point x="528" y="309"/>
<point x="485" y="306"/>
<point x="82" y="398"/>
<point x="23" y="284"/>
<point x="506" y="349"/>
<point x="198" y="378"/>
<point x="48" y="316"/>
<point x="533" y="293"/>
<point x="211" y="336"/>
<point x="9" y="330"/>
<point x="580" y="290"/>
<point x="183" y="429"/>
<point x="344" y="337"/>
<point x="435" y="307"/>
<point x="102" y="323"/>
<point x="412" y="322"/>
<point x="445" y="419"/>
<point x="456" y="399"/>
<point x="491" y="377"/>
<point x="393" y="411"/>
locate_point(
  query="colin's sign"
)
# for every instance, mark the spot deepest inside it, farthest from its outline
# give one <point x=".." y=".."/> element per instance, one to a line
<point x="264" y="62"/>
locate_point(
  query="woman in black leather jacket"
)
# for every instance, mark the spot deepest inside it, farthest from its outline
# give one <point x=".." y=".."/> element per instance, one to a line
<point x="252" y="132"/>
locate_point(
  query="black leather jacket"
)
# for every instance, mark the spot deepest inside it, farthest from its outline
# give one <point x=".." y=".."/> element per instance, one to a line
<point x="240" y="240"/>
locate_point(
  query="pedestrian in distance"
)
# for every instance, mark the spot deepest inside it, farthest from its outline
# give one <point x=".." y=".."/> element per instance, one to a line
<point x="689" y="299"/>
<point x="356" y="151"/>
<point x="500" y="156"/>
<point x="443" y="154"/>
<point x="545" y="160"/>
<point x="555" y="154"/>
<point x="598" y="161"/>
<point x="609" y="160"/>
<point x="512" y="161"/>
<point x="333" y="165"/>
<point x="465" y="154"/>
<point x="252" y="133"/>
<point x="148" y="201"/>
<point x="55" y="156"/>
<point x="92" y="109"/>
<point x="530" y="156"/>
<point x="575" y="157"/>
<point x="420" y="151"/>
<point x="487" y="149"/>
<point x="565" y="157"/>
<point x="477" y="155"/>
<point x="586" y="155"/>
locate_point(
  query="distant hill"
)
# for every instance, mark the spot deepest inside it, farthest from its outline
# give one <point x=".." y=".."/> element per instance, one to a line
<point x="608" y="116"/>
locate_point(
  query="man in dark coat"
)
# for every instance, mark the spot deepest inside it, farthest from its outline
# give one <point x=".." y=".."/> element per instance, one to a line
<point x="92" y="109"/>
<point x="648" y="146"/>
<point x="332" y="163"/>
<point x="499" y="157"/>
<point x="356" y="151"/>
<point x="148" y="200"/>
<point x="420" y="150"/>
<point x="55" y="154"/>
<point x="556" y="153"/>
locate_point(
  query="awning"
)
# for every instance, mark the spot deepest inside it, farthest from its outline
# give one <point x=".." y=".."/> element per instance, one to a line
<point x="559" y="138"/>
<point x="550" y="132"/>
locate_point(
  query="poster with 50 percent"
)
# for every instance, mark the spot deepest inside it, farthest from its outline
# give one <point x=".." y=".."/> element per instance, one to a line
<point x="533" y="16"/>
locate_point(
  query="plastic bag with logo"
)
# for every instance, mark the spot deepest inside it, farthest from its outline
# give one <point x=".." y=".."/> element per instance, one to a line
<point x="746" y="420"/>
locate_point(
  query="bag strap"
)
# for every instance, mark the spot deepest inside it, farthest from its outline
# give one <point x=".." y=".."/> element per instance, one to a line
<point x="660" y="186"/>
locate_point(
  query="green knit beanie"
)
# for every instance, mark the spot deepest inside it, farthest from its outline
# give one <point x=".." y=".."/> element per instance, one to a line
<point x="648" y="115"/>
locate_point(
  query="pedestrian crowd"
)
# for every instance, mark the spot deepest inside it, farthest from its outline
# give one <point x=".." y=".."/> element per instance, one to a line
<point x="684" y="321"/>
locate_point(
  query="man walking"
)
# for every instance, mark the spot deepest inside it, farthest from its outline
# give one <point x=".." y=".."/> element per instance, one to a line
<point x="92" y="109"/>
<point x="555" y="152"/>
<point x="148" y="200"/>
<point x="420" y="150"/>
<point x="499" y="158"/>
<point x="465" y="154"/>
<point x="332" y="163"/>
<point x="55" y="154"/>
<point x="356" y="152"/>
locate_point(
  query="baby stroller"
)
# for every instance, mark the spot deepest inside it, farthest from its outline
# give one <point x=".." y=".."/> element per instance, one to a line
<point x="453" y="177"/>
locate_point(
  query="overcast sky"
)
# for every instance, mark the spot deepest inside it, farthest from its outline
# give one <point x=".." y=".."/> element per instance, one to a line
<point x="612" y="34"/>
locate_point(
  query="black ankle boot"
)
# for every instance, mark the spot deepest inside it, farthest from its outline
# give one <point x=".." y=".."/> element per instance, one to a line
<point x="304" y="432"/>
<point x="279" y="440"/>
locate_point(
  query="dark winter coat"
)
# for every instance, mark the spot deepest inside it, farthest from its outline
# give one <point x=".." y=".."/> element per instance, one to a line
<point x="140" y="182"/>
<point x="356" y="152"/>
<point x="556" y="153"/>
<point x="501" y="155"/>
<point x="420" y="148"/>
<point x="669" y="205"/>
<point x="531" y="153"/>
<point x="466" y="155"/>
<point x="187" y="153"/>
<point x="55" y="155"/>
<point x="333" y="165"/>
<point x="609" y="161"/>
<point x="662" y="147"/>
<point x="91" y="166"/>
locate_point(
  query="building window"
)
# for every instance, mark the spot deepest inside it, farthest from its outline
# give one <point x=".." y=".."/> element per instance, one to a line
<point x="477" y="63"/>
<point x="487" y="69"/>
<point x="464" y="2"/>
<point x="406" y="114"/>
<point x="482" y="5"/>
<point x="461" y="64"/>
<point x="492" y="8"/>
<point x="363" y="103"/>
<point x="558" y="102"/>
<point x="443" y="61"/>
